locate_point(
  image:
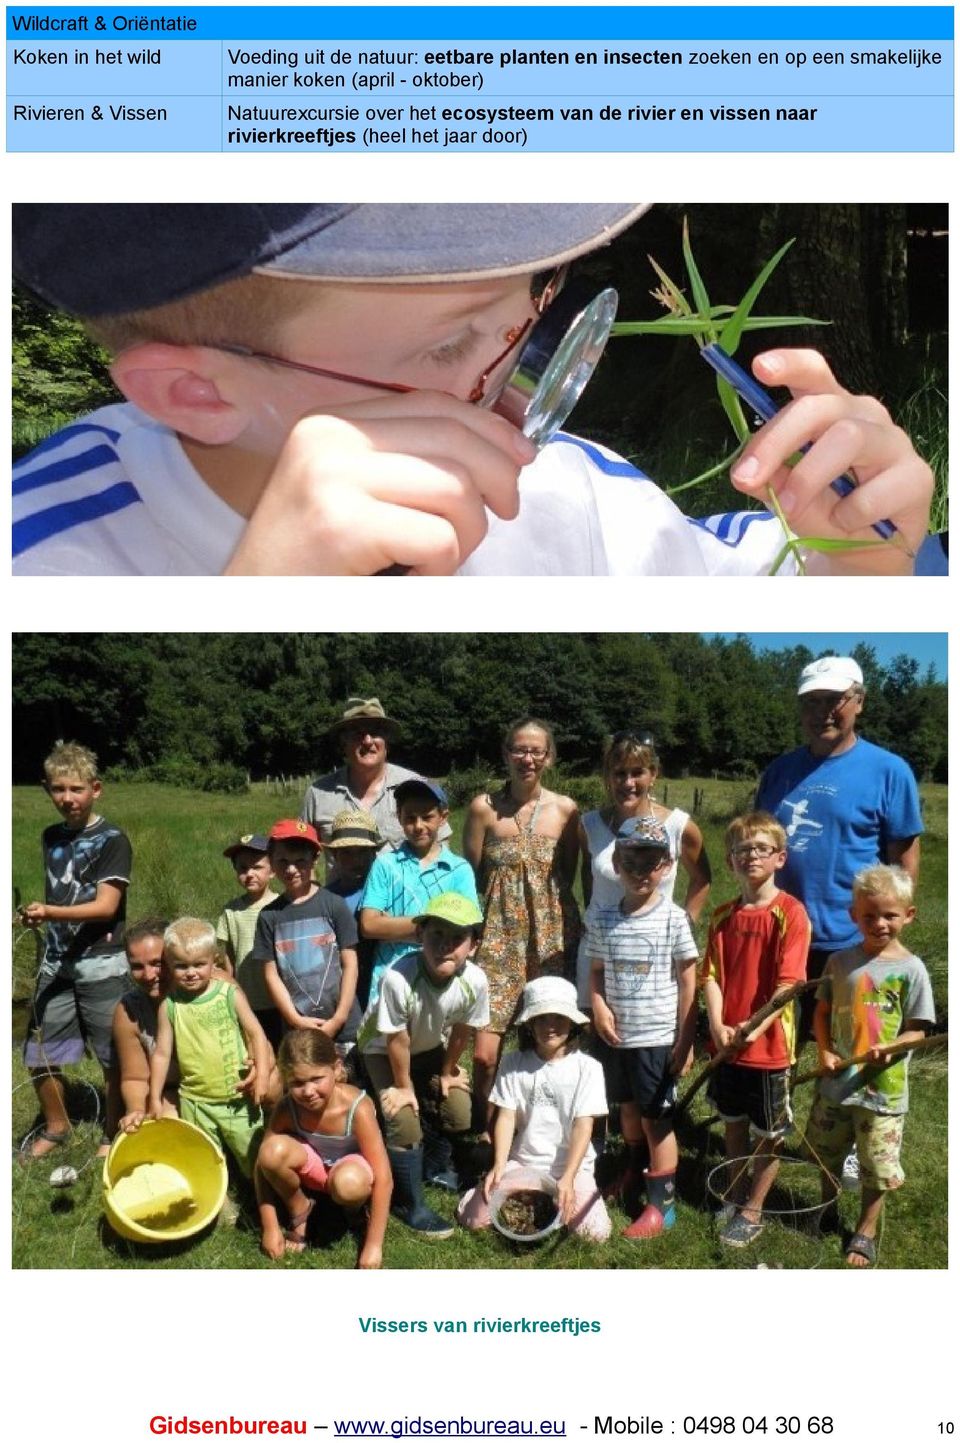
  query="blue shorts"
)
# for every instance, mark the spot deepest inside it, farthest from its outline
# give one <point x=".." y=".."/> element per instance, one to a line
<point x="643" y="1076"/>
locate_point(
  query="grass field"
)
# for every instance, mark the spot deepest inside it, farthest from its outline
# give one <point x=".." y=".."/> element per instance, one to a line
<point x="178" y="837"/>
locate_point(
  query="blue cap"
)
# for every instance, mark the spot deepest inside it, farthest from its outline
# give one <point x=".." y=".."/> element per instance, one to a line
<point x="420" y="784"/>
<point x="249" y="842"/>
<point x="100" y="260"/>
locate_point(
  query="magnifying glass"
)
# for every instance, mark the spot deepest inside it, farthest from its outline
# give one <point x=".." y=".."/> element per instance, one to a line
<point x="557" y="360"/>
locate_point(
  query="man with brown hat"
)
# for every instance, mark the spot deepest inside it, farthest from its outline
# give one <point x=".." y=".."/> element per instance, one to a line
<point x="367" y="781"/>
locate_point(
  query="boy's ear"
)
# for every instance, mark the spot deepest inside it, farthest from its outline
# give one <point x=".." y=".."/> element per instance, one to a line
<point x="175" y="385"/>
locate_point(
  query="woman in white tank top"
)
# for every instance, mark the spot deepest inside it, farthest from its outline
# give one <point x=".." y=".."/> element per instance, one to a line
<point x="630" y="769"/>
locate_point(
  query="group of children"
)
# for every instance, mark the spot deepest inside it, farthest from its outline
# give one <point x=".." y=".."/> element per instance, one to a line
<point x="367" y="989"/>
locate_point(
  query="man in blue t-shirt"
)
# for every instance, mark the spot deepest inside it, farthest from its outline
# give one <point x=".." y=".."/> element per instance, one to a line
<point x="844" y="803"/>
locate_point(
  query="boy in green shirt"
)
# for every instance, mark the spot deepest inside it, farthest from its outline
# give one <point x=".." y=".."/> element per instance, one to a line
<point x="870" y="996"/>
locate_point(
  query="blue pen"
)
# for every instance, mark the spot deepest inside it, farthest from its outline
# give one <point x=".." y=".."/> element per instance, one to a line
<point x="766" y="408"/>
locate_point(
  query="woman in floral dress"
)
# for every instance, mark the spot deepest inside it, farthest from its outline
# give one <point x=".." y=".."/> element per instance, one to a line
<point x="523" y="843"/>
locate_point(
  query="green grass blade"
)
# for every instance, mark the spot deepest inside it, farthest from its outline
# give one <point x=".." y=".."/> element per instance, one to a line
<point x="766" y="323"/>
<point x="697" y="287"/>
<point x="689" y="324"/>
<point x="733" y="330"/>
<point x="830" y="543"/>
<point x="730" y="402"/>
<point x="789" y="548"/>
<point x="707" y="475"/>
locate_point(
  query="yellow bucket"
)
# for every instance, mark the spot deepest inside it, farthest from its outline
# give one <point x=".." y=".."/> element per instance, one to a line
<point x="165" y="1182"/>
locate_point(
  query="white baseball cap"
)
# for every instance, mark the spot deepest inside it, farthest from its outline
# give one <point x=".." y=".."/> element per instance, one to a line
<point x="550" y="994"/>
<point x="830" y="673"/>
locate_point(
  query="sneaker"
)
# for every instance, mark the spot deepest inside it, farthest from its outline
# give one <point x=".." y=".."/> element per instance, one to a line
<point x="724" y="1215"/>
<point x="850" y="1175"/>
<point x="741" y="1232"/>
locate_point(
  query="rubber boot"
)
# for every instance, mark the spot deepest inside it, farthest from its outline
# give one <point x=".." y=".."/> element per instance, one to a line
<point x="406" y="1164"/>
<point x="660" y="1211"/>
<point x="438" y="1168"/>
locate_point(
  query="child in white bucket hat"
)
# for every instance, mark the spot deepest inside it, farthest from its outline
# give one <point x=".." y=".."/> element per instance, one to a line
<point x="548" y="1094"/>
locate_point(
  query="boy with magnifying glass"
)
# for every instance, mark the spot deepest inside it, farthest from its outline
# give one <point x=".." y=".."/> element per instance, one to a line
<point x="357" y="389"/>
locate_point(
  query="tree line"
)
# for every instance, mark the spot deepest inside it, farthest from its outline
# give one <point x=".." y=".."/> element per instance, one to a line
<point x="196" y="706"/>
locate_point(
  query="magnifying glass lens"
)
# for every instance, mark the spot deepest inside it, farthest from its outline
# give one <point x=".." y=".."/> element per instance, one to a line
<point x="557" y="361"/>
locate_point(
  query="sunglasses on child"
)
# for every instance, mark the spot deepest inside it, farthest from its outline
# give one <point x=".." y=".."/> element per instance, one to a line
<point x="641" y="862"/>
<point x="561" y="345"/>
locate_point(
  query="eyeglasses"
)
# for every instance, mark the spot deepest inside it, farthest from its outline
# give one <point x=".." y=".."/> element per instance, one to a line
<point x="753" y="849"/>
<point x="536" y="754"/>
<point x="544" y="288"/>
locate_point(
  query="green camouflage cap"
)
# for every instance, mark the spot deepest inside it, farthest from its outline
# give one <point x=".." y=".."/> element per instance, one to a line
<point x="453" y="908"/>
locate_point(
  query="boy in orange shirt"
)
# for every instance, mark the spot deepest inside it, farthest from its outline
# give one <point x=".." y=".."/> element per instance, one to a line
<point x="757" y="946"/>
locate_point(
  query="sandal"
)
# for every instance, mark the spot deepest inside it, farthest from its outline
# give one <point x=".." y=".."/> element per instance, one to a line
<point x="860" y="1246"/>
<point x="55" y="1139"/>
<point x="740" y="1232"/>
<point x="293" y="1237"/>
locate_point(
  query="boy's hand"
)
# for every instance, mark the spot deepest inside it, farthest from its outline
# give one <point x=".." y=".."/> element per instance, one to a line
<point x="131" y="1121"/>
<point x="605" y="1022"/>
<point x="566" y="1199"/>
<point x="390" y="481"/>
<point x="310" y="1024"/>
<point x="251" y="1086"/>
<point x="370" y="1256"/>
<point x="392" y="1099"/>
<point x="681" y="1059"/>
<point x="723" y="1036"/>
<point x="881" y="1058"/>
<point x="33" y="914"/>
<point x="450" y="1080"/>
<point x="844" y="433"/>
<point x="830" y="1061"/>
<point x="154" y="1110"/>
<point x="492" y="1181"/>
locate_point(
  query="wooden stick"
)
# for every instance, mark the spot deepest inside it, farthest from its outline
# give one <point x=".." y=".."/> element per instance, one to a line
<point x="775" y="1005"/>
<point x="862" y="1059"/>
